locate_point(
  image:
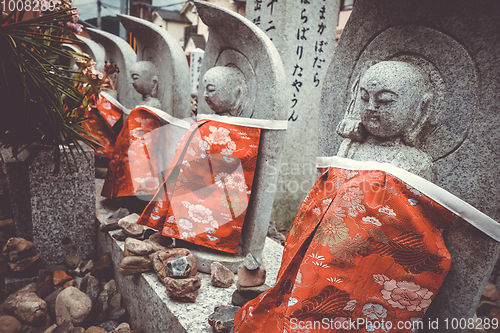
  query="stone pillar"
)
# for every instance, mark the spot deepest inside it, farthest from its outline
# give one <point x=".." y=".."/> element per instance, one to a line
<point x="301" y="30"/>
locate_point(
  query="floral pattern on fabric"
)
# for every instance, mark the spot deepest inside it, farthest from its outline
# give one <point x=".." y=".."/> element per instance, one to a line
<point x="205" y="194"/>
<point x="133" y="169"/>
<point x="100" y="124"/>
<point x="375" y="252"/>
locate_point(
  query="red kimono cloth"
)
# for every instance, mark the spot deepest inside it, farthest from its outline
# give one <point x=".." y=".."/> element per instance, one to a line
<point x="365" y="254"/>
<point x="205" y="193"/>
<point x="101" y="121"/>
<point x="133" y="169"/>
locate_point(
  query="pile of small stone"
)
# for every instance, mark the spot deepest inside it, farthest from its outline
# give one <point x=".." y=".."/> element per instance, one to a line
<point x="146" y="250"/>
<point x="251" y="281"/>
<point x="176" y="268"/>
<point x="79" y="296"/>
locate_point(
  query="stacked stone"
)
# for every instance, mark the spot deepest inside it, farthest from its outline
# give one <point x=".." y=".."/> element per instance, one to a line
<point x="251" y="281"/>
<point x="176" y="268"/>
<point x="140" y="245"/>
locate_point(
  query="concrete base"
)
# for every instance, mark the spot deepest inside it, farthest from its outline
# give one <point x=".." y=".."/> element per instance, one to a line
<point x="149" y="307"/>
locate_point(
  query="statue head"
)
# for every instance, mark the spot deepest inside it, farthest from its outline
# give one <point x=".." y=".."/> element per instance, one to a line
<point x="224" y="90"/>
<point x="392" y="100"/>
<point x="144" y="78"/>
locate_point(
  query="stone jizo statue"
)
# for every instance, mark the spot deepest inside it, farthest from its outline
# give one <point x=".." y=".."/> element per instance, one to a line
<point x="145" y="82"/>
<point x="225" y="90"/>
<point x="387" y="117"/>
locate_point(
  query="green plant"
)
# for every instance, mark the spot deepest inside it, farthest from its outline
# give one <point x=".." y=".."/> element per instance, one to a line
<point x="42" y="101"/>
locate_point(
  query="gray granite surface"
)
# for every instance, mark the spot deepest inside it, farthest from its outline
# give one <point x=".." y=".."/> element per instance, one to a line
<point x="62" y="206"/>
<point x="302" y="33"/>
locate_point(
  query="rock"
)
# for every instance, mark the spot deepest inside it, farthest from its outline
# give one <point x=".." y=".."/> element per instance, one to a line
<point x="39" y="328"/>
<point x="63" y="328"/>
<point x="155" y="246"/>
<point x="239" y="299"/>
<point x="23" y="264"/>
<point x="247" y="278"/>
<point x="491" y="292"/>
<point x="100" y="309"/>
<point x="26" y="306"/>
<point x="274" y="234"/>
<point x="184" y="290"/>
<point x="161" y="258"/>
<point x="111" y="288"/>
<point x="50" y="329"/>
<point x="103" y="268"/>
<point x="59" y="277"/>
<point x="120" y="236"/>
<point x="72" y="261"/>
<point x="222" y="319"/>
<point x="220" y="276"/>
<point x="178" y="267"/>
<point x="109" y="325"/>
<point x="137" y="247"/>
<point x="115" y="309"/>
<point x="91" y="286"/>
<point x="159" y="239"/>
<point x="112" y="222"/>
<point x="129" y="225"/>
<point x="95" y="329"/>
<point x="9" y="324"/>
<point x="18" y="244"/>
<point x="135" y="264"/>
<point x="88" y="267"/>
<point x="250" y="262"/>
<point x="4" y="265"/>
<point x="123" y="328"/>
<point x="252" y="291"/>
<point x="51" y="301"/>
<point x="77" y="330"/>
<point x="72" y="306"/>
<point x="45" y="286"/>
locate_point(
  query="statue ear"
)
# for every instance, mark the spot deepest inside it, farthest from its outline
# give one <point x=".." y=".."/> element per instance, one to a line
<point x="421" y="115"/>
<point x="154" y="93"/>
<point x="351" y="126"/>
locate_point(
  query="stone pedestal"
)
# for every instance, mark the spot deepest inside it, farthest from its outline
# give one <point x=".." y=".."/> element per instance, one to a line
<point x="56" y="212"/>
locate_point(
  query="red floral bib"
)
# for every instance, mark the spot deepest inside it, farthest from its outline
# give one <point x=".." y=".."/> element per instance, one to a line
<point x="133" y="169"/>
<point x="205" y="193"/>
<point x="364" y="248"/>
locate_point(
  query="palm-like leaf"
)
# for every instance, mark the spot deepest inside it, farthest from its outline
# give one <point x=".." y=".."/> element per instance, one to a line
<point x="40" y="102"/>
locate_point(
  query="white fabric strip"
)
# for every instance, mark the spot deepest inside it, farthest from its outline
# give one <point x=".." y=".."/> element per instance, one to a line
<point x="168" y="118"/>
<point x="249" y="122"/>
<point x="113" y="101"/>
<point x="461" y="208"/>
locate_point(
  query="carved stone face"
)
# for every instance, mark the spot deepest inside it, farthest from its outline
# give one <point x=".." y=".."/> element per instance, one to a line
<point x="144" y="78"/>
<point x="223" y="90"/>
<point x="389" y="96"/>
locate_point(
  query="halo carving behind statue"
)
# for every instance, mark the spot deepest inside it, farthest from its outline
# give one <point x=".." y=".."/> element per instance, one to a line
<point x="234" y="39"/>
<point x="120" y="53"/>
<point x="158" y="46"/>
<point x="237" y="59"/>
<point x="452" y="74"/>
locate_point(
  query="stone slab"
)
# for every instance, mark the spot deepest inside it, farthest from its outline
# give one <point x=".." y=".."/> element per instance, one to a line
<point x="62" y="206"/>
<point x="146" y="299"/>
<point x="301" y="32"/>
